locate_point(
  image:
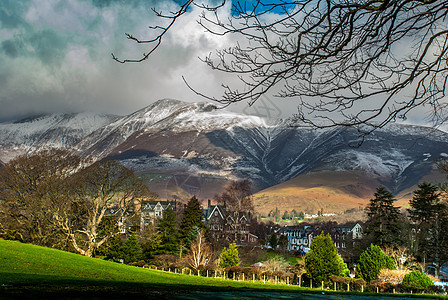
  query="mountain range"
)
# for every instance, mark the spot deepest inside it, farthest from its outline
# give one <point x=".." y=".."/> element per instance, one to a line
<point x="185" y="148"/>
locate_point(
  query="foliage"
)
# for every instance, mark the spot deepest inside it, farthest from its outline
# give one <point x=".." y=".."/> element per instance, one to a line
<point x="273" y="240"/>
<point x="323" y="259"/>
<point x="417" y="280"/>
<point x="283" y="242"/>
<point x="383" y="228"/>
<point x="131" y="249"/>
<point x="169" y="235"/>
<point x="428" y="214"/>
<point x="113" y="249"/>
<point x="191" y="218"/>
<point x="229" y="256"/>
<point x="150" y="241"/>
<point x="372" y="261"/>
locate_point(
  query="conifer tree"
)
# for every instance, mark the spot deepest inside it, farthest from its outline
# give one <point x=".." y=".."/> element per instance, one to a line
<point x="427" y="211"/>
<point x="131" y="249"/>
<point x="229" y="256"/>
<point x="323" y="259"/>
<point x="191" y="222"/>
<point x="371" y="261"/>
<point x="169" y="235"/>
<point x="383" y="228"/>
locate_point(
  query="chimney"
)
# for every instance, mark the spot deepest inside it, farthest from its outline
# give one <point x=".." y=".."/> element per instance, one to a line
<point x="209" y="203"/>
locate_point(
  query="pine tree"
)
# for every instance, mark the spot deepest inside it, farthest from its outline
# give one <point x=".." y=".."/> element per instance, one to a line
<point x="273" y="240"/>
<point x="371" y="261"/>
<point x="131" y="249"/>
<point x="191" y="221"/>
<point x="114" y="249"/>
<point x="428" y="214"/>
<point x="229" y="256"/>
<point x="383" y="228"/>
<point x="323" y="259"/>
<point x="169" y="235"/>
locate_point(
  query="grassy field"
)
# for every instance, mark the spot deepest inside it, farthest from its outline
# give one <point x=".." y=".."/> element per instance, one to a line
<point x="35" y="271"/>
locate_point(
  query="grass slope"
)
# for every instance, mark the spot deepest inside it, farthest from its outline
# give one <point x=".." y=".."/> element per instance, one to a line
<point x="33" y="272"/>
<point x="30" y="267"/>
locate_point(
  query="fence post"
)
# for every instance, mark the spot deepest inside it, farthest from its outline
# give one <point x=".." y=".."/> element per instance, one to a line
<point x="348" y="287"/>
<point x="322" y="287"/>
<point x="377" y="290"/>
<point x="287" y="280"/>
<point x="190" y="271"/>
<point x="311" y="283"/>
<point x="300" y="280"/>
<point x="243" y="277"/>
<point x="253" y="277"/>
<point x="198" y="272"/>
<point x="334" y="286"/>
<point x="207" y="273"/>
<point x="362" y="288"/>
<point x="264" y="278"/>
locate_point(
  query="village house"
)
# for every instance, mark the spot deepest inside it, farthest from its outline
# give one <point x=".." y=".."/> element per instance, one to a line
<point x="228" y="226"/>
<point x="152" y="210"/>
<point x="344" y="236"/>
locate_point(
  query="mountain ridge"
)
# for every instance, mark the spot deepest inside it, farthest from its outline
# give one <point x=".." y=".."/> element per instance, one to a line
<point x="206" y="147"/>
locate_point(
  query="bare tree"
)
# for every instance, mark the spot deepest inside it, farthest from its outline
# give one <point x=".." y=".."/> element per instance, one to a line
<point x="200" y="252"/>
<point x="103" y="186"/>
<point x="348" y="63"/>
<point x="238" y="202"/>
<point x="30" y="187"/>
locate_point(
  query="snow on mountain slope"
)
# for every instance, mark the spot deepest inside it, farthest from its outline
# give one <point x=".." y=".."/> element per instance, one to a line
<point x="47" y="131"/>
<point x="198" y="139"/>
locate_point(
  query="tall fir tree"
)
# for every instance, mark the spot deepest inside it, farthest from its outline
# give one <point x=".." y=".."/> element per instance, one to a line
<point x="191" y="222"/>
<point x="229" y="256"/>
<point x="169" y="234"/>
<point x="132" y="250"/>
<point x="428" y="213"/>
<point x="383" y="219"/>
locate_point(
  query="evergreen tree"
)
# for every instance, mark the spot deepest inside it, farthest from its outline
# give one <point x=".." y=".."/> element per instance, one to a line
<point x="131" y="249"/>
<point x="372" y="260"/>
<point x="191" y="218"/>
<point x="428" y="214"/>
<point x="323" y="259"/>
<point x="169" y="235"/>
<point x="383" y="216"/>
<point x="229" y="256"/>
<point x="113" y="249"/>
<point x="283" y="242"/>
<point x="273" y="240"/>
<point x="150" y="241"/>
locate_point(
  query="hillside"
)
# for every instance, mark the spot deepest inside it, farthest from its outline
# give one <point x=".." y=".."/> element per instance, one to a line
<point x="33" y="272"/>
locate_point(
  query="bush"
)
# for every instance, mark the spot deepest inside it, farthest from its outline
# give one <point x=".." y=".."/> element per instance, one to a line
<point x="164" y="260"/>
<point x="392" y="276"/>
<point x="371" y="261"/>
<point x="417" y="280"/>
<point x="140" y="263"/>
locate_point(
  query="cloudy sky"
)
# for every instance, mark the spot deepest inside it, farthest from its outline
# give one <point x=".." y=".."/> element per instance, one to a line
<point x="55" y="56"/>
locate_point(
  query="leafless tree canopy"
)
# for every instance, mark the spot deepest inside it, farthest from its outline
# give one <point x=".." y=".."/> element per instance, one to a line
<point x="360" y="63"/>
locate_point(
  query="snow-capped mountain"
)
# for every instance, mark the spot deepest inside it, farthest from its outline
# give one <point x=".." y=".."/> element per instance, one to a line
<point x="47" y="131"/>
<point x="176" y="138"/>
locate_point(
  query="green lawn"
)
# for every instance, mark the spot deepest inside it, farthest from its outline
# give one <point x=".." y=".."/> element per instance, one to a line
<point x="33" y="271"/>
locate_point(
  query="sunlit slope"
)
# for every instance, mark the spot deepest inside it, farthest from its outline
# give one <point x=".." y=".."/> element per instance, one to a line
<point x="330" y="191"/>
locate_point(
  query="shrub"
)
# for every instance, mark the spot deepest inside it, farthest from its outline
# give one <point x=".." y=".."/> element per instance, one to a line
<point x="164" y="260"/>
<point x="371" y="261"/>
<point x="140" y="263"/>
<point x="392" y="276"/>
<point x="417" y="280"/>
